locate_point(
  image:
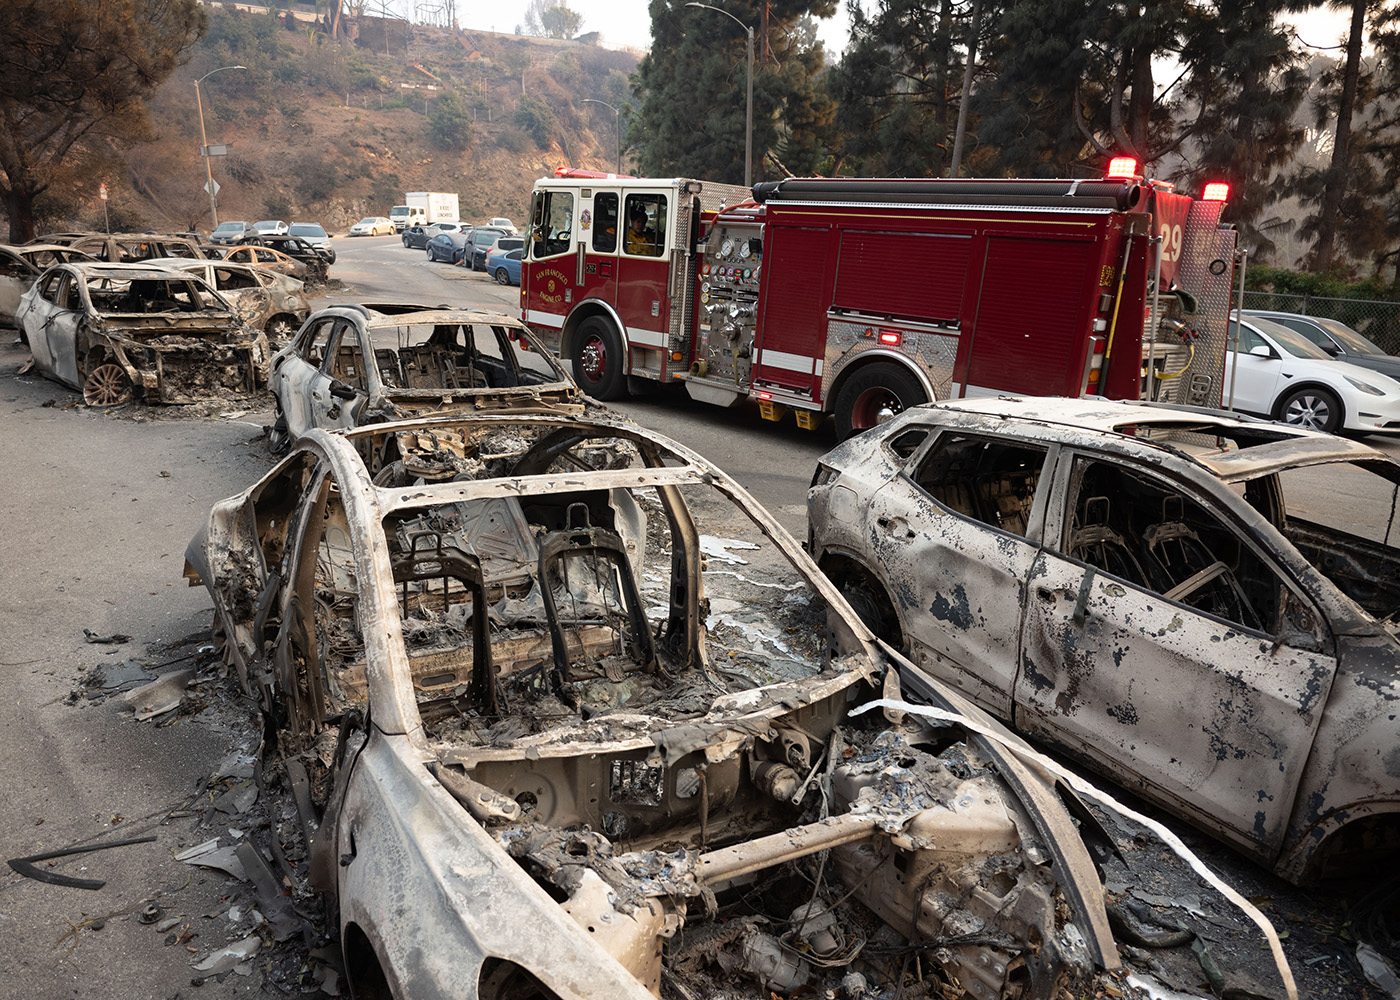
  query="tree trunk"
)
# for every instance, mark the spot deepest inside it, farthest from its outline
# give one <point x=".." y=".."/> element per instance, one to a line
<point x="1329" y="209"/>
<point x="19" y="205"/>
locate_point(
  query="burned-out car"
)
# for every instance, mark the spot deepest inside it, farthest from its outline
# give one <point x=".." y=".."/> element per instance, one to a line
<point x="357" y="364"/>
<point x="118" y="331"/>
<point x="584" y="721"/>
<point x="1199" y="605"/>
<point x="20" y="266"/>
<point x="265" y="299"/>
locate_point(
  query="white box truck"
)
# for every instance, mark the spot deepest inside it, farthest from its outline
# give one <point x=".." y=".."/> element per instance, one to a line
<point x="422" y="208"/>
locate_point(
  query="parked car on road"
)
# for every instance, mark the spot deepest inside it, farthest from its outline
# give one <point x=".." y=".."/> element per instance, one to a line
<point x="541" y="723"/>
<point x="229" y="233"/>
<point x="506" y="224"/>
<point x="317" y="260"/>
<point x="1199" y="605"/>
<point x="1278" y="372"/>
<point x="271" y="227"/>
<point x="261" y="297"/>
<point x="315" y="234"/>
<point x="481" y="238"/>
<point x="417" y="237"/>
<point x="373" y="225"/>
<point x="351" y="365"/>
<point x="446" y="247"/>
<point x="1336" y="339"/>
<point x="20" y="266"/>
<point x="504" y="265"/>
<point x="118" y="331"/>
<point x="499" y="243"/>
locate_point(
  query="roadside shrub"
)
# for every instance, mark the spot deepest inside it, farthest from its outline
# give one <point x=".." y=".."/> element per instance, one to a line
<point x="277" y="205"/>
<point x="244" y="171"/>
<point x="448" y="125"/>
<point x="536" y="118"/>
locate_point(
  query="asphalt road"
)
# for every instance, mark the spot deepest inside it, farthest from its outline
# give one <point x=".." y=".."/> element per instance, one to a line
<point x="96" y="512"/>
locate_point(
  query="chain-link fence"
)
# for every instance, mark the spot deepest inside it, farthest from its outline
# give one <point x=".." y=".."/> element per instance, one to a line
<point x="1377" y="319"/>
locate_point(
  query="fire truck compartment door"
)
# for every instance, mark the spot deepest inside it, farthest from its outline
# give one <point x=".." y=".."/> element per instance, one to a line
<point x="1033" y="339"/>
<point x="791" y="337"/>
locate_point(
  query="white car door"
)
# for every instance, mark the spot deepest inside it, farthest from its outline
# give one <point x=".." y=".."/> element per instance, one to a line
<point x="1255" y="376"/>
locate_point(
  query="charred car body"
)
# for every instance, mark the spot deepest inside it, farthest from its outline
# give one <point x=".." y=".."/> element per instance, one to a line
<point x="357" y="364"/>
<point x="263" y="298"/>
<point x="20" y="267"/>
<point x="547" y="742"/>
<point x="114" y="331"/>
<point x="1169" y="595"/>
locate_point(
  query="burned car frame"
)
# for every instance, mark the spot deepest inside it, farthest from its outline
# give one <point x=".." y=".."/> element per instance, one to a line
<point x="356" y="364"/>
<point x="1168" y="595"/>
<point x="552" y="738"/>
<point x="114" y="331"/>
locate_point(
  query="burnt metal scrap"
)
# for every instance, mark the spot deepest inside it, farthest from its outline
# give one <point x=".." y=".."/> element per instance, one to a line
<point x="123" y="331"/>
<point x="600" y="761"/>
<point x="26" y="866"/>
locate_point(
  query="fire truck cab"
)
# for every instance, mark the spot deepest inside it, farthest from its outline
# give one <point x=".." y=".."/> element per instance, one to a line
<point x="860" y="297"/>
<point x="609" y="275"/>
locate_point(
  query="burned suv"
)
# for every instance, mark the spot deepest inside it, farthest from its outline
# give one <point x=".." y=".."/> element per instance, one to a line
<point x="1200" y="605"/>
<point x="115" y="331"/>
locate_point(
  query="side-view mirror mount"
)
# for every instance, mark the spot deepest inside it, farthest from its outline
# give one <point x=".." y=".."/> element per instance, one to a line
<point x="342" y="390"/>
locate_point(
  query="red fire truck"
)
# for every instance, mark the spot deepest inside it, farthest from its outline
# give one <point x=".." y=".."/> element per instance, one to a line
<point x="862" y="297"/>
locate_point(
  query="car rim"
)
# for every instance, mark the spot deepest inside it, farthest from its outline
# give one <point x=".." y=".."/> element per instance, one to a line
<point x="1308" y="411"/>
<point x="873" y="407"/>
<point x="501" y="277"/>
<point x="593" y="359"/>
<point x="107" y="385"/>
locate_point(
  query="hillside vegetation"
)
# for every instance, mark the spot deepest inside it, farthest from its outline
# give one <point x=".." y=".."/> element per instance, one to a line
<point x="330" y="132"/>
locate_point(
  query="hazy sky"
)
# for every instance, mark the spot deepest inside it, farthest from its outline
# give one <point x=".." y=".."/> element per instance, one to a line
<point x="627" y="23"/>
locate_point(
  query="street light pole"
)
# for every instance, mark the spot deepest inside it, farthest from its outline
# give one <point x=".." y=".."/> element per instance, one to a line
<point x="748" y="110"/>
<point x="617" y="112"/>
<point x="204" y="144"/>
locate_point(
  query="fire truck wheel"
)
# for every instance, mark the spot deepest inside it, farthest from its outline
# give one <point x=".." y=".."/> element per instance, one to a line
<point x="873" y="395"/>
<point x="1315" y="409"/>
<point x="598" y="359"/>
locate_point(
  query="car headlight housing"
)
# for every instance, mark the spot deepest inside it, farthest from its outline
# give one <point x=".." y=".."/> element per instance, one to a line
<point x="1365" y="387"/>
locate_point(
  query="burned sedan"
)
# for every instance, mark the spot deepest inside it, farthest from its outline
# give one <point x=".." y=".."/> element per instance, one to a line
<point x="357" y="364"/>
<point x="114" y="331"/>
<point x="582" y="720"/>
<point x="272" y="302"/>
<point x="20" y="267"/>
<point x="1198" y="605"/>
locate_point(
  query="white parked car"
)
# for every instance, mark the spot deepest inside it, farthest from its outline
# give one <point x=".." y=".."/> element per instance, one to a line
<point x="1280" y="373"/>
<point x="372" y="225"/>
<point x="505" y="224"/>
<point x="271" y="227"/>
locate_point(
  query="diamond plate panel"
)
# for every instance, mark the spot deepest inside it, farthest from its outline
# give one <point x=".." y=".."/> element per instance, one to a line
<point x="933" y="353"/>
<point x="1206" y="271"/>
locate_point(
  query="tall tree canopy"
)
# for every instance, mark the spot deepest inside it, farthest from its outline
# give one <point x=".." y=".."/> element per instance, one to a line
<point x="692" y="87"/>
<point x="74" y="78"/>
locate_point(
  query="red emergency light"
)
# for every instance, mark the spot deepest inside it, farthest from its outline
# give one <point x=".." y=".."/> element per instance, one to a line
<point x="1122" y="167"/>
<point x="890" y="337"/>
<point x="1216" y="191"/>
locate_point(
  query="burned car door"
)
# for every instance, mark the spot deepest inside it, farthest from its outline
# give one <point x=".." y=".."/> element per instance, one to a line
<point x="53" y="328"/>
<point x="1164" y="649"/>
<point x="340" y="388"/>
<point x="16" y="275"/>
<point x="958" y="532"/>
<point x="297" y="373"/>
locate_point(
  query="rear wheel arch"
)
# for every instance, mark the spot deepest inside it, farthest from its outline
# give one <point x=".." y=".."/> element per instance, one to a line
<point x="1353" y="841"/>
<point x="363" y="969"/>
<point x="867" y="595"/>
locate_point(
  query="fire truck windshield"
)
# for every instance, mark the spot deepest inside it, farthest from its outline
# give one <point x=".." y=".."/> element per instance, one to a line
<point x="552" y="224"/>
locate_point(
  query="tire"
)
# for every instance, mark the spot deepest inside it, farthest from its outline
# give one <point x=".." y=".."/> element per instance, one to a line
<point x="597" y="359"/>
<point x="429" y="251"/>
<point x="1314" y="408"/>
<point x="502" y="276"/>
<point x="279" y="437"/>
<point x="874" y="394"/>
<point x="280" y="327"/>
<point x="405" y="242"/>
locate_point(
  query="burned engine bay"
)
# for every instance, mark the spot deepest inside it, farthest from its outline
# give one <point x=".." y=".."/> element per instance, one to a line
<point x="653" y="722"/>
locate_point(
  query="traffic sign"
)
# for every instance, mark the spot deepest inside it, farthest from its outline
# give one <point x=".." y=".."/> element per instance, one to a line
<point x="215" y="192"/>
<point x="102" y="191"/>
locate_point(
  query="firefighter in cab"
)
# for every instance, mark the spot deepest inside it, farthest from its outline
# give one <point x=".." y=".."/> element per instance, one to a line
<point x="641" y="239"/>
